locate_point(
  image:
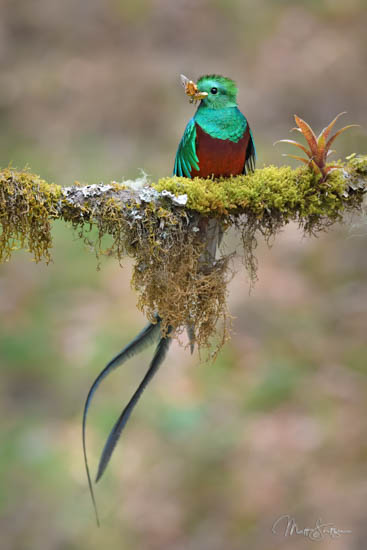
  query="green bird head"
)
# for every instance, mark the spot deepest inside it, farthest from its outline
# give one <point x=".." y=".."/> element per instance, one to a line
<point x="214" y="91"/>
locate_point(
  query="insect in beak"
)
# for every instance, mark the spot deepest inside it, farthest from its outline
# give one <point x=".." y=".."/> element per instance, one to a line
<point x="191" y="90"/>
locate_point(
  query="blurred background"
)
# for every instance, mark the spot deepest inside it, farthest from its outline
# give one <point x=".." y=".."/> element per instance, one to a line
<point x="214" y="453"/>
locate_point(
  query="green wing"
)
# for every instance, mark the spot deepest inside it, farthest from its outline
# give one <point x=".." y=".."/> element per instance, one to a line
<point x="250" y="155"/>
<point x="186" y="157"/>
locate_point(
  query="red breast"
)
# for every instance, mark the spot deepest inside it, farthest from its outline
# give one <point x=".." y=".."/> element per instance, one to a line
<point x="219" y="157"/>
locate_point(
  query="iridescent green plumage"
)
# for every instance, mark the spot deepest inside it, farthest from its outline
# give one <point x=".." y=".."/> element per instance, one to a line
<point x="227" y="90"/>
<point x="186" y="157"/>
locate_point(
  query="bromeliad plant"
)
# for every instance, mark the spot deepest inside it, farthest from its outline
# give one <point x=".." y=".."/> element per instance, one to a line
<point x="319" y="147"/>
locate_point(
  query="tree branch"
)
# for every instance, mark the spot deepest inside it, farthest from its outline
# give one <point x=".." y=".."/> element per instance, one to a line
<point x="161" y="226"/>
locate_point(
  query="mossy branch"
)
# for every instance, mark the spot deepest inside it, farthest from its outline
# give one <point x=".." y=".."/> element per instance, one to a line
<point x="161" y="226"/>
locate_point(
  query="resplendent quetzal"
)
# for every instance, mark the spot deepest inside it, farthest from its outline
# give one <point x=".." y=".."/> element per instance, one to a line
<point x="217" y="142"/>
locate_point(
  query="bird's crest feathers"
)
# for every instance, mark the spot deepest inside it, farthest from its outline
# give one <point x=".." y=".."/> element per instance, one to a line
<point x="227" y="83"/>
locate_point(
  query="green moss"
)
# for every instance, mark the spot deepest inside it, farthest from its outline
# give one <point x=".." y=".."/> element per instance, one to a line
<point x="27" y="204"/>
<point x="294" y="194"/>
<point x="358" y="163"/>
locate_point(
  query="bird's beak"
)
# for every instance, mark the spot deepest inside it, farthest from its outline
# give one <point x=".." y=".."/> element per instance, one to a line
<point x="191" y="89"/>
<point x="198" y="96"/>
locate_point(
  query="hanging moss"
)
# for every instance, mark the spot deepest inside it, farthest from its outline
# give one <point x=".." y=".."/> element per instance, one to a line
<point x="27" y="204"/>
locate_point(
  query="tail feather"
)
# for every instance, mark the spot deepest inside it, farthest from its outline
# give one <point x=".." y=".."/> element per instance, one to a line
<point x="140" y="342"/>
<point x="114" y="436"/>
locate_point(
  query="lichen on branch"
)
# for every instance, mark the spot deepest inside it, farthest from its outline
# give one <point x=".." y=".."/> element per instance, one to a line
<point x="161" y="226"/>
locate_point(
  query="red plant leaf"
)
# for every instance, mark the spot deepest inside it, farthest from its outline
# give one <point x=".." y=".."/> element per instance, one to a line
<point x="331" y="140"/>
<point x="321" y="140"/>
<point x="320" y="157"/>
<point x="292" y="142"/>
<point x="309" y="162"/>
<point x="331" y="168"/>
<point x="326" y="131"/>
<point x="315" y="167"/>
<point x="297" y="158"/>
<point x="308" y="133"/>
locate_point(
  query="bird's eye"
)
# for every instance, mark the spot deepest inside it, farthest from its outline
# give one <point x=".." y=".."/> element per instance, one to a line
<point x="214" y="91"/>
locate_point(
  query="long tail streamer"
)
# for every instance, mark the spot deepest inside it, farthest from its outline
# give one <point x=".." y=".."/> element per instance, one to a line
<point x="114" y="436"/>
<point x="148" y="335"/>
